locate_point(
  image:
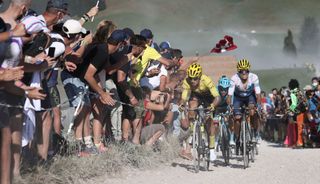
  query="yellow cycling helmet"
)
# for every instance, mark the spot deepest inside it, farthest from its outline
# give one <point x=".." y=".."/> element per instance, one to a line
<point x="194" y="70"/>
<point x="243" y="64"/>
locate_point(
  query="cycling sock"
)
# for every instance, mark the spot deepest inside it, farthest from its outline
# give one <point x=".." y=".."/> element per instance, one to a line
<point x="211" y="142"/>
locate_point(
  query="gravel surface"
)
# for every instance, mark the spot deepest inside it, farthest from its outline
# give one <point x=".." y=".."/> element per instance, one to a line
<point x="274" y="164"/>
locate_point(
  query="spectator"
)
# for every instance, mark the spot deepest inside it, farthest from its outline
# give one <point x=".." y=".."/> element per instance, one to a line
<point x="147" y="34"/>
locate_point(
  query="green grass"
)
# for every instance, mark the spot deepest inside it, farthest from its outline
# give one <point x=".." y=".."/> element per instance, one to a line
<point x="277" y="78"/>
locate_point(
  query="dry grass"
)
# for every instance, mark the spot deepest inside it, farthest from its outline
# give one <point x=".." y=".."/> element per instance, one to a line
<point x="120" y="157"/>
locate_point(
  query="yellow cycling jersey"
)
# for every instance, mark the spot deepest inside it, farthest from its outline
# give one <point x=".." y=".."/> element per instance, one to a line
<point x="142" y="62"/>
<point x="205" y="86"/>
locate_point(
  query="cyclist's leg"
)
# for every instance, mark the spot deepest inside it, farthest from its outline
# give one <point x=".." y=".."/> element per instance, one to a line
<point x="231" y="129"/>
<point x="237" y="114"/>
<point x="193" y="104"/>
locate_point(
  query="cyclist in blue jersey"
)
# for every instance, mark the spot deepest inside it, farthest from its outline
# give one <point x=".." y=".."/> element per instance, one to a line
<point x="222" y="107"/>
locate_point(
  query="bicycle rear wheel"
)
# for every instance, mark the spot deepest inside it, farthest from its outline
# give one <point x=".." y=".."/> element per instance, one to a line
<point x="250" y="143"/>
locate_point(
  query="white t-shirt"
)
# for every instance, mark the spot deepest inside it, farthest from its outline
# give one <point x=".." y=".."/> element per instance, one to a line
<point x="35" y="24"/>
<point x="154" y="82"/>
<point x="13" y="53"/>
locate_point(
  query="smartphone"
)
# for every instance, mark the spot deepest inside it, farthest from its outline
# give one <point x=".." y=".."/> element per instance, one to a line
<point x="51" y="51"/>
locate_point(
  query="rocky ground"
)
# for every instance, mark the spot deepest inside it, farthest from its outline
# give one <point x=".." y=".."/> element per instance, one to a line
<point x="274" y="164"/>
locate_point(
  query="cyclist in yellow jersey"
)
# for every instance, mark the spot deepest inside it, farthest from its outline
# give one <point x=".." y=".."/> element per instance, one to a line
<point x="199" y="89"/>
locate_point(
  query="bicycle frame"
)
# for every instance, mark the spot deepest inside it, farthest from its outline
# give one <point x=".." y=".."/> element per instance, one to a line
<point x="224" y="137"/>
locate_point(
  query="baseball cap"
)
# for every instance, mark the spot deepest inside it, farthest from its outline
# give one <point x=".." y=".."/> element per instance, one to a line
<point x="58" y="4"/>
<point x="117" y="36"/>
<point x="129" y="32"/>
<point x="308" y="88"/>
<point x="72" y="26"/>
<point x="147" y="33"/>
<point x="164" y="45"/>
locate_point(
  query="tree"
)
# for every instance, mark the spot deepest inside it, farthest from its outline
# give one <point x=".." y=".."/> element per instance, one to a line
<point x="309" y="36"/>
<point x="289" y="47"/>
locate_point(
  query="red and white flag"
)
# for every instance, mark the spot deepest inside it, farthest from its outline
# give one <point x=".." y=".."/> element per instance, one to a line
<point x="225" y="44"/>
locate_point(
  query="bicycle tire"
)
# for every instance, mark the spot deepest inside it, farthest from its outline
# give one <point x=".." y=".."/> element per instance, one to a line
<point x="206" y="152"/>
<point x="225" y="145"/>
<point x="250" y="143"/>
<point x="196" y="141"/>
<point x="244" y="144"/>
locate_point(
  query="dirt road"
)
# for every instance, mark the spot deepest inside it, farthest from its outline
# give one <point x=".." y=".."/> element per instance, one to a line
<point x="274" y="164"/>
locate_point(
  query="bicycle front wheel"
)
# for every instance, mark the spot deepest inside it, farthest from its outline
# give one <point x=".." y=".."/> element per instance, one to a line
<point x="225" y="145"/>
<point x="195" y="147"/>
<point x="244" y="144"/>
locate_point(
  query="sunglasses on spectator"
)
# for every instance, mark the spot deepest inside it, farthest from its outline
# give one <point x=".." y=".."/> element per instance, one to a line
<point x="243" y="71"/>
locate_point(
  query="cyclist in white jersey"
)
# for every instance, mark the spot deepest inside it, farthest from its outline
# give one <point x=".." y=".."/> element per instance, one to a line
<point x="245" y="90"/>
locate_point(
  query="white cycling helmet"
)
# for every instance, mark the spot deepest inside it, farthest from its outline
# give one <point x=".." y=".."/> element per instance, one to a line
<point x="72" y="26"/>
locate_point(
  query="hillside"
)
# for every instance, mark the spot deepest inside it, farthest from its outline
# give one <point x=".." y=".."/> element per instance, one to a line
<point x="196" y="25"/>
<point x="280" y="77"/>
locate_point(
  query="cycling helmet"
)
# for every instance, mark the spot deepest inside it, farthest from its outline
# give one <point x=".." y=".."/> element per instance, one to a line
<point x="224" y="82"/>
<point x="194" y="70"/>
<point x="243" y="64"/>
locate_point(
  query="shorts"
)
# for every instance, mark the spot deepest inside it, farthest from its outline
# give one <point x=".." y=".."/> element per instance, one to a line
<point x="4" y="112"/>
<point x="205" y="99"/>
<point x="14" y="100"/>
<point x="73" y="87"/>
<point x="137" y="112"/>
<point x="52" y="99"/>
<point x="132" y="113"/>
<point x="148" y="131"/>
<point x="219" y="110"/>
<point x="239" y="102"/>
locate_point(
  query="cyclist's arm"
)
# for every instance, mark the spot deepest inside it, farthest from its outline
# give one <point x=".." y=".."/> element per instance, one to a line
<point x="213" y="90"/>
<point x="229" y="100"/>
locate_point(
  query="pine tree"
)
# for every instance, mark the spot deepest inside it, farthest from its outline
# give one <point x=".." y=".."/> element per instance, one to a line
<point x="309" y="36"/>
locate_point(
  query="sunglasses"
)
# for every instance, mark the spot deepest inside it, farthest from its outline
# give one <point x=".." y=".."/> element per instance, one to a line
<point x="222" y="89"/>
<point x="243" y="71"/>
<point x="194" y="78"/>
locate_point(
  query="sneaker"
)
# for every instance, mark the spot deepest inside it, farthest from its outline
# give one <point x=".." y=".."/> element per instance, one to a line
<point x="213" y="155"/>
<point x="88" y="151"/>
